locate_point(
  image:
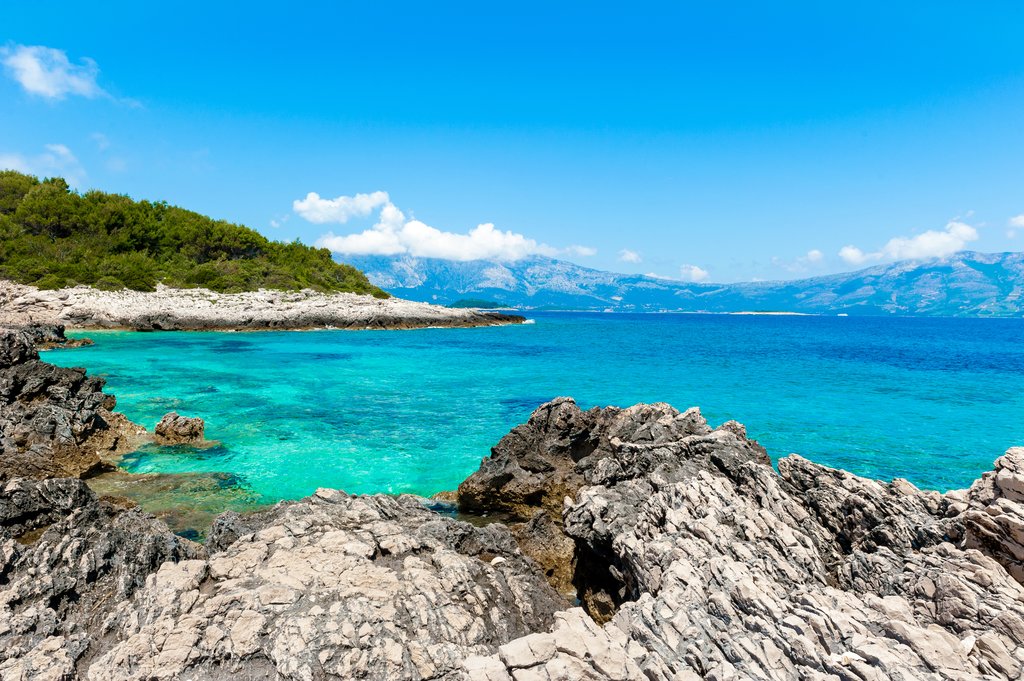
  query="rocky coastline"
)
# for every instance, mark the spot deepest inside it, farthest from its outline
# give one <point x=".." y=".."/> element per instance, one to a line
<point x="198" y="309"/>
<point x="636" y="543"/>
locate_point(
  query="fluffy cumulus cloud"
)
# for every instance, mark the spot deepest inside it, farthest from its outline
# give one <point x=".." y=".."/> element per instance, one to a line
<point x="54" y="160"/>
<point x="626" y="255"/>
<point x="394" y="234"/>
<point x="342" y="209"/>
<point x="693" y="273"/>
<point x="814" y="255"/>
<point x="47" y="72"/>
<point x="934" y="243"/>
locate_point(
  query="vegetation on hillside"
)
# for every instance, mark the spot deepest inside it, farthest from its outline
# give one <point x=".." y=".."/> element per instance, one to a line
<point x="52" y="237"/>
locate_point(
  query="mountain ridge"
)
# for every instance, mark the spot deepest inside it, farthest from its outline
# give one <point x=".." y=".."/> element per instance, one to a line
<point x="966" y="283"/>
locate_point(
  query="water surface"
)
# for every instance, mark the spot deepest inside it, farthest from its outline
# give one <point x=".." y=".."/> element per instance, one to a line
<point x="932" y="400"/>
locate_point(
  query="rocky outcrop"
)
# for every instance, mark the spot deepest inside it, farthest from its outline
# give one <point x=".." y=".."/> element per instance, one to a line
<point x="66" y="560"/>
<point x="333" y="586"/>
<point x="54" y="422"/>
<point x="172" y="309"/>
<point x="691" y="557"/>
<point x="174" y="429"/>
<point x="719" y="567"/>
<point x="992" y="513"/>
<point x="51" y="336"/>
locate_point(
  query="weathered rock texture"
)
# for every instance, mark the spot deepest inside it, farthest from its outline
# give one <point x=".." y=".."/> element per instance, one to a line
<point x="48" y="337"/>
<point x="194" y="309"/>
<point x="330" y="587"/>
<point x="54" y="422"/>
<point x="694" y="556"/>
<point x="174" y="429"/>
<point x="722" y="568"/>
<point x="66" y="561"/>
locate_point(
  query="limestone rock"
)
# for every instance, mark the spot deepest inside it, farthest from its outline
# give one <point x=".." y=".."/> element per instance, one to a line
<point x="171" y="309"/>
<point x="174" y="429"/>
<point x="709" y="564"/>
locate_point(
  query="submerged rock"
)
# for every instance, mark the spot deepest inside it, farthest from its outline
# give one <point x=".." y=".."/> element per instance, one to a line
<point x="174" y="429"/>
<point x="54" y="422"/>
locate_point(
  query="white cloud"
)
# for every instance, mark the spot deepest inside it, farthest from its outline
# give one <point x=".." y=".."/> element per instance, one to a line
<point x="693" y="273"/>
<point x="931" y="244"/>
<point x="580" y="251"/>
<point x="55" y="160"/>
<point x="812" y="259"/>
<point x="393" y="234"/>
<point x="320" y="211"/>
<point x="1016" y="222"/>
<point x="626" y="255"/>
<point x="853" y="255"/>
<point x="47" y="72"/>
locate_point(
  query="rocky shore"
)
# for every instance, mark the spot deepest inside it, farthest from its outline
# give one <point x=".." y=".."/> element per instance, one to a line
<point x="636" y="543"/>
<point x="170" y="309"/>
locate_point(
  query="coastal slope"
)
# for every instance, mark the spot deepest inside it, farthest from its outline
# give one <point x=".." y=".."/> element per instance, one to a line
<point x="83" y="307"/>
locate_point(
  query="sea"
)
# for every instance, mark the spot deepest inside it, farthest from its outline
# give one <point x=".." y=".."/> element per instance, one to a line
<point x="934" y="401"/>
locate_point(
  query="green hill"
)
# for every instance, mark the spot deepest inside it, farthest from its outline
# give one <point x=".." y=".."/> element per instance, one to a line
<point x="52" y="237"/>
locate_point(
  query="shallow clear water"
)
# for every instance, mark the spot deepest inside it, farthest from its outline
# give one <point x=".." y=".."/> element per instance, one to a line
<point x="932" y="400"/>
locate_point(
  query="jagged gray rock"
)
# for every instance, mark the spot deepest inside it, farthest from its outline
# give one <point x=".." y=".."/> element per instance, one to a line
<point x="333" y="586"/>
<point x="66" y="560"/>
<point x="726" y="569"/>
<point x="174" y="429"/>
<point x="54" y="422"/>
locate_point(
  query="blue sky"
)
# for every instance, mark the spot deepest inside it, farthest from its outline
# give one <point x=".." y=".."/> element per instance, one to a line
<point x="717" y="141"/>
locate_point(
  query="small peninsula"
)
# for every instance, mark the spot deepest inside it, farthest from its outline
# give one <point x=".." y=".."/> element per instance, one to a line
<point x="99" y="260"/>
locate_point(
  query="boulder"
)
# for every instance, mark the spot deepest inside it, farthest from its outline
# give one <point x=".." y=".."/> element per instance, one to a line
<point x="174" y="429"/>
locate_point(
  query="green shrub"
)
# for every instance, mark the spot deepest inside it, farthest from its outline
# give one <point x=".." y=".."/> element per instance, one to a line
<point x="109" y="284"/>
<point x="50" y="282"/>
<point x="51" y="236"/>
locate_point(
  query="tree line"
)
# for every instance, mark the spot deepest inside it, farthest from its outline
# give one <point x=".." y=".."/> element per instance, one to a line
<point x="53" y="237"/>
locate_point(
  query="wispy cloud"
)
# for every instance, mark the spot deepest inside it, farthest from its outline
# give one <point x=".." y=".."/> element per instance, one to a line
<point x="626" y="255"/>
<point x="55" y="159"/>
<point x="1016" y="222"/>
<point x="394" y="234"/>
<point x="580" y="251"/>
<point x="931" y="244"/>
<point x="812" y="259"/>
<point x="47" y="72"/>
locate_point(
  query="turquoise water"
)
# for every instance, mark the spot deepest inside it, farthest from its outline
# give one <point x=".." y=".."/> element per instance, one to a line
<point x="932" y="400"/>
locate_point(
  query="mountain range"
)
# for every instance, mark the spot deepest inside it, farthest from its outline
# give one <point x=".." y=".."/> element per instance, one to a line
<point x="964" y="284"/>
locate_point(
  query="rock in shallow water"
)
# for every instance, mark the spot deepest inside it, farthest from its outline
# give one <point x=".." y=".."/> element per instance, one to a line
<point x="174" y="429"/>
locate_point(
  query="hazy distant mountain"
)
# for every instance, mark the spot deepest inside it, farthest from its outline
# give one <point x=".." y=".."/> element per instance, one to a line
<point x="965" y="284"/>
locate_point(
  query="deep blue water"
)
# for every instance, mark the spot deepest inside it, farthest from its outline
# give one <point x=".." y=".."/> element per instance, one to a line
<point x="931" y="400"/>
